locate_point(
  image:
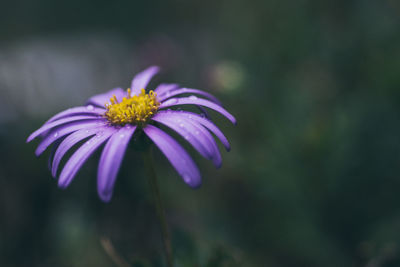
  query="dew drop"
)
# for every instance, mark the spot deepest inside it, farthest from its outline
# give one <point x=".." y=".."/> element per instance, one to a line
<point x="190" y="117"/>
<point x="128" y="127"/>
<point x="181" y="125"/>
<point x="171" y="101"/>
<point x="197" y="132"/>
<point x="122" y="135"/>
<point x="55" y="134"/>
<point x="88" y="142"/>
<point x="187" y="137"/>
<point x="90" y="107"/>
<point x="192" y="97"/>
<point x="87" y="131"/>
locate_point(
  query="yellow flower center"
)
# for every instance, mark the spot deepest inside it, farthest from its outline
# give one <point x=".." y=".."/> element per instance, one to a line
<point x="137" y="109"/>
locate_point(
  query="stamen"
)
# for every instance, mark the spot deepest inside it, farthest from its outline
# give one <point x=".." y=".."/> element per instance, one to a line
<point x="137" y="109"/>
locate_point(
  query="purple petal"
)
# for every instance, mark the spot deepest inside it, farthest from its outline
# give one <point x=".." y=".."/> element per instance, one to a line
<point x="110" y="161"/>
<point x="101" y="99"/>
<point x="192" y="100"/>
<point x="165" y="87"/>
<point x="217" y="159"/>
<point x="77" y="111"/>
<point x="81" y="155"/>
<point x="63" y="130"/>
<point x="52" y="152"/>
<point x="204" y="112"/>
<point x="69" y="142"/>
<point x="176" y="155"/>
<point x="170" y="94"/>
<point x="206" y="123"/>
<point x="182" y="126"/>
<point x="200" y="135"/>
<point x="141" y="79"/>
<point x="59" y="122"/>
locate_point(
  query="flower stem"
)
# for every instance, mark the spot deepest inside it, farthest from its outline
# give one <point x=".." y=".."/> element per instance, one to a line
<point x="112" y="252"/>
<point x="148" y="161"/>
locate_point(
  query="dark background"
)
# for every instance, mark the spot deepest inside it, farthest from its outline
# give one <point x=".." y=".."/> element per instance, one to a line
<point x="313" y="175"/>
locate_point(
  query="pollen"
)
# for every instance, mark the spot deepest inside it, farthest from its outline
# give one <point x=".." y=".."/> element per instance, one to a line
<point x="137" y="109"/>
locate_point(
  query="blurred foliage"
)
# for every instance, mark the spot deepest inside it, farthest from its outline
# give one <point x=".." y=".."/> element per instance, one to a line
<point x="313" y="175"/>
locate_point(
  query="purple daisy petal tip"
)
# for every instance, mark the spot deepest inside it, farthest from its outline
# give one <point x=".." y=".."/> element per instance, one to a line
<point x="176" y="154"/>
<point x="219" y="165"/>
<point x="141" y="79"/>
<point x="105" y="196"/>
<point x="193" y="185"/>
<point x="62" y="185"/>
<point x="154" y="68"/>
<point x="38" y="153"/>
<point x="31" y="137"/>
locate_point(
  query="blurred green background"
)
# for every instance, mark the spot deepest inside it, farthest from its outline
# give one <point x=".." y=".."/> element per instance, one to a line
<point x="313" y="175"/>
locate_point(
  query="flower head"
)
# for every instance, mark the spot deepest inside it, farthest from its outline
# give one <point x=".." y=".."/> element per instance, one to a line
<point x="137" y="109"/>
<point x="112" y="118"/>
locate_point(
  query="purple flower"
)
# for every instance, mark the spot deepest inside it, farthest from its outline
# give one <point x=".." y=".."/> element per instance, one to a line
<point x="113" y="117"/>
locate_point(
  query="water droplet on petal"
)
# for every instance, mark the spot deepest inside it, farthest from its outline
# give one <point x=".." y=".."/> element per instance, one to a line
<point x="55" y="134"/>
<point x="171" y="101"/>
<point x="90" y="107"/>
<point x="187" y="137"/>
<point x="190" y="117"/>
<point x="87" y="131"/>
<point x="192" y="97"/>
<point x="88" y="142"/>
<point x="128" y="126"/>
<point x="122" y="135"/>
<point x="197" y="132"/>
<point x="181" y="125"/>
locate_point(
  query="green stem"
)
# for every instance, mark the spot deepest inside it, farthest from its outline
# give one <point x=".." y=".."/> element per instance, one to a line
<point x="148" y="161"/>
<point x="112" y="252"/>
